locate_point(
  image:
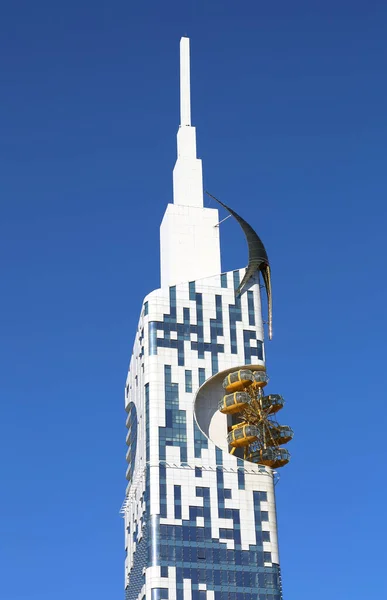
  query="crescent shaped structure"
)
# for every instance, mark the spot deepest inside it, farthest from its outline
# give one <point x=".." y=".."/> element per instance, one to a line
<point x="203" y="439"/>
<point x="258" y="261"/>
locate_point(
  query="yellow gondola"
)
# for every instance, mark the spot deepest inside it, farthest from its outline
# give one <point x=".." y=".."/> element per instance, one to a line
<point x="270" y="457"/>
<point x="274" y="402"/>
<point x="281" y="434"/>
<point x="233" y="403"/>
<point x="238" y="380"/>
<point x="242" y="435"/>
<point x="260" y="378"/>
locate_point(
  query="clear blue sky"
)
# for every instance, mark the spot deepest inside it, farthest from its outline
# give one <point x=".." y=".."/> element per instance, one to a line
<point x="289" y="100"/>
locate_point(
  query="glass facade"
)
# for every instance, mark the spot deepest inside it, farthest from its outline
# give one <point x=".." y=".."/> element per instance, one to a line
<point x="131" y="439"/>
<point x="175" y="333"/>
<point x="190" y="533"/>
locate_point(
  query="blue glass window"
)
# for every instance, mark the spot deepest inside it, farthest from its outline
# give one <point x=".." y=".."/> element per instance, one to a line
<point x="202" y="376"/>
<point x="131" y="439"/>
<point x="175" y="431"/>
<point x="163" y="490"/>
<point x="147" y="420"/>
<point x="159" y="594"/>
<point x="145" y="308"/>
<point x="172" y="302"/>
<point x="200" y="441"/>
<point x="152" y="333"/>
<point x="223" y="280"/>
<point x="252" y="350"/>
<point x="199" y="325"/>
<point x="201" y="554"/>
<point x="188" y="381"/>
<point x="198" y="472"/>
<point x="164" y="571"/>
<point x="235" y="314"/>
<point x="241" y="475"/>
<point x="226" y="533"/>
<point x="264" y="515"/>
<point x="177" y="493"/>
<point x="250" y="304"/>
<point x="192" y="290"/>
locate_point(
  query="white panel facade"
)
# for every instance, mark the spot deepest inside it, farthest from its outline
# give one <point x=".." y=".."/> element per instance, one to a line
<point x="187" y="334"/>
<point x="189" y="244"/>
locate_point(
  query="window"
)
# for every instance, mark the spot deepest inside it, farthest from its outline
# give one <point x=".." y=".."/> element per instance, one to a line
<point x="266" y="536"/>
<point x="177" y="492"/>
<point x="192" y="290"/>
<point x="188" y="381"/>
<point x="145" y="308"/>
<point x="226" y="534"/>
<point x="202" y="376"/>
<point x="241" y="479"/>
<point x="198" y="472"/>
<point x="223" y="280"/>
<point x="264" y="515"/>
<point x="164" y="571"/>
<point x="172" y="301"/>
<point x="152" y="332"/>
<point x="250" y="304"/>
<point x="201" y="553"/>
<point x="159" y="593"/>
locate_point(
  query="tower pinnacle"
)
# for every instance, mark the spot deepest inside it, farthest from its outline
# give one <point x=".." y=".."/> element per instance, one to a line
<point x="187" y="174"/>
<point x="185" y="83"/>
<point x="189" y="238"/>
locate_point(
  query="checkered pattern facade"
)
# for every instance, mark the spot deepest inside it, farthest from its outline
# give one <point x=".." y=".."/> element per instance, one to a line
<point x="199" y="523"/>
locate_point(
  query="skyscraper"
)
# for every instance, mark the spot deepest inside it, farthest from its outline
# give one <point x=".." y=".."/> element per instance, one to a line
<point x="200" y="515"/>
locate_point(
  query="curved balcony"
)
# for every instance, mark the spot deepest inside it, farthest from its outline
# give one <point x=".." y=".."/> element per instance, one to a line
<point x="233" y="403"/>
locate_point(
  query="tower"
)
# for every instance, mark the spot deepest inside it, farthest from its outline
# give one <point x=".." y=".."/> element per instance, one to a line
<point x="199" y="511"/>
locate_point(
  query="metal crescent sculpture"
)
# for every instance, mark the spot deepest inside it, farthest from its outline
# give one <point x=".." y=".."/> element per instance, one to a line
<point x="258" y="261"/>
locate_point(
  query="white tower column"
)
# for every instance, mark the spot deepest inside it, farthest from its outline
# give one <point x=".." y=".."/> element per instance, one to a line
<point x="189" y="238"/>
<point x="187" y="174"/>
<point x="185" y="83"/>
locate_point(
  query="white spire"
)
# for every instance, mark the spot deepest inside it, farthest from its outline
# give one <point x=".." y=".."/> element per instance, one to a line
<point x="189" y="237"/>
<point x="185" y="84"/>
<point x="187" y="174"/>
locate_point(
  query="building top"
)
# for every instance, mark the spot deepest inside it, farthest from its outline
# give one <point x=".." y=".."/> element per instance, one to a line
<point x="189" y="233"/>
<point x="189" y="236"/>
<point x="185" y="83"/>
<point x="187" y="174"/>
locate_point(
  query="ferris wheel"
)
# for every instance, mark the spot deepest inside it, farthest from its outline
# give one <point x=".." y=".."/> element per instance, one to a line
<point x="253" y="431"/>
